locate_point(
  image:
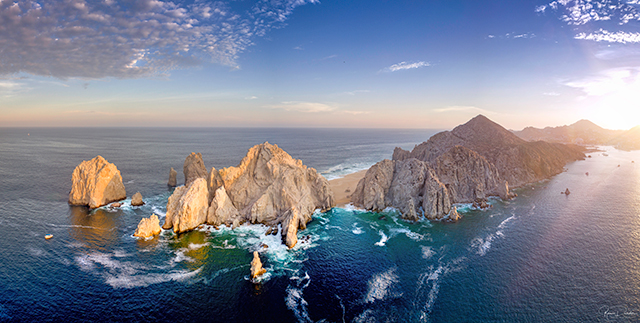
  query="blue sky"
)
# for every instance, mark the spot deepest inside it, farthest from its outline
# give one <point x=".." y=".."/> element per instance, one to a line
<point x="309" y="63"/>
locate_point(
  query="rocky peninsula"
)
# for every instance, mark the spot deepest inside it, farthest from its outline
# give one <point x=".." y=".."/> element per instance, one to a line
<point x="267" y="187"/>
<point x="468" y="164"/>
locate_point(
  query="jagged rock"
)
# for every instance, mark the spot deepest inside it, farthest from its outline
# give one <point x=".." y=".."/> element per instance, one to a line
<point x="221" y="210"/>
<point x="406" y="187"/>
<point x="371" y="190"/>
<point x="172" y="178"/>
<point x="454" y="215"/>
<point x="95" y="183"/>
<point x="214" y="181"/>
<point x="436" y="201"/>
<point x="115" y="205"/>
<point x="256" y="266"/>
<point x="193" y="168"/>
<point x="187" y="207"/>
<point x="270" y="187"/>
<point x="148" y="227"/>
<point x="136" y="199"/>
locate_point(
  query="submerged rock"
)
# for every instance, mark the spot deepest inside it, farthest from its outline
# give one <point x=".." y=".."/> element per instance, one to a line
<point x="148" y="227"/>
<point x="256" y="266"/>
<point x="136" y="199"/>
<point x="172" y="178"/>
<point x="95" y="183"/>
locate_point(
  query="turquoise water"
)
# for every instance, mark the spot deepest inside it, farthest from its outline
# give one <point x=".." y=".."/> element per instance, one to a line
<point x="542" y="257"/>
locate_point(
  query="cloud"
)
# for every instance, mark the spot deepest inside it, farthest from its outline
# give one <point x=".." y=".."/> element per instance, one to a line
<point x="305" y="107"/>
<point x="405" y="66"/>
<point x="463" y="108"/>
<point x="581" y="12"/>
<point x="551" y="93"/>
<point x="611" y="37"/>
<point x="12" y="87"/>
<point x="129" y="39"/>
<point x="356" y="92"/>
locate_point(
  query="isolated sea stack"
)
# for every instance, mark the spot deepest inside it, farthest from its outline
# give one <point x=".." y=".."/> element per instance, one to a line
<point x="172" y="178"/>
<point x="267" y="187"/>
<point x="136" y="199"/>
<point x="148" y="227"/>
<point x="468" y="164"/>
<point x="95" y="183"/>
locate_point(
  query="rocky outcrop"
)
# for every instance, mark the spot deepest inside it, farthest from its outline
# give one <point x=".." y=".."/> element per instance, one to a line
<point x="136" y="199"/>
<point x="256" y="266"/>
<point x="187" y="207"/>
<point x="95" y="183"/>
<point x="454" y="215"/>
<point x="172" y="178"/>
<point x="268" y="187"/>
<point x="466" y="165"/>
<point x="148" y="227"/>
<point x="194" y="168"/>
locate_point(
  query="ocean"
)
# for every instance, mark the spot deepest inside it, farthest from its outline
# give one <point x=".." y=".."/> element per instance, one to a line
<point x="542" y="257"/>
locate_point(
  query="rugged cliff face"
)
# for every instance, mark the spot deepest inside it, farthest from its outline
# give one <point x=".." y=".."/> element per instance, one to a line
<point x="268" y="187"/>
<point x="95" y="183"/>
<point x="468" y="164"/>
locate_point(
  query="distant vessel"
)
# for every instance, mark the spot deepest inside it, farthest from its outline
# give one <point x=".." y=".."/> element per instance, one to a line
<point x="48" y="236"/>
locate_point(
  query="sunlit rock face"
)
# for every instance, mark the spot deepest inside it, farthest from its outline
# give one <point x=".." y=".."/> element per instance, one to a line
<point x="187" y="207"/>
<point x="193" y="168"/>
<point x="172" y="178"/>
<point x="136" y="199"/>
<point x="268" y="187"/>
<point x="256" y="266"/>
<point x="95" y="183"/>
<point x="148" y="227"/>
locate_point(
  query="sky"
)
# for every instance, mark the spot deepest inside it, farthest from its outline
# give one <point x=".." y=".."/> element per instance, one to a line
<point x="319" y="63"/>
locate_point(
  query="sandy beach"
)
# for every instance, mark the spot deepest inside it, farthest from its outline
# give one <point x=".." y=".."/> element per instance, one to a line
<point x="344" y="187"/>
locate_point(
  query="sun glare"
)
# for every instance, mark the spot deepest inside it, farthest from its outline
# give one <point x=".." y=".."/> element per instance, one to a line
<point x="618" y="109"/>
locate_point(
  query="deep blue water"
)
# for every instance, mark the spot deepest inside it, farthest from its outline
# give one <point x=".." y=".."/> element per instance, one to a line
<point x="543" y="257"/>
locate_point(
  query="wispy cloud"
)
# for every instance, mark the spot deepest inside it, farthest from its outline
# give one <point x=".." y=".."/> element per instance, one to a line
<point x="328" y="57"/>
<point x="356" y="92"/>
<point x="405" y="66"/>
<point x="305" y="107"/>
<point x="128" y="39"/>
<point x="551" y="93"/>
<point x="513" y="36"/>
<point x="463" y="108"/>
<point x="298" y="48"/>
<point x="12" y="87"/>
<point x="581" y="12"/>
<point x="611" y="37"/>
<point x="612" y="81"/>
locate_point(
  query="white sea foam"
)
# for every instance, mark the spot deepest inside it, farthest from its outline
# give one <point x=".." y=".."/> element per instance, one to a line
<point x="427" y="252"/>
<point x="356" y="229"/>
<point x="383" y="239"/>
<point x="381" y="286"/>
<point x="297" y="304"/>
<point x="143" y="280"/>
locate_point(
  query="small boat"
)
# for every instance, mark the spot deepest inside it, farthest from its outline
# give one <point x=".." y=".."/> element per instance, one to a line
<point x="48" y="236"/>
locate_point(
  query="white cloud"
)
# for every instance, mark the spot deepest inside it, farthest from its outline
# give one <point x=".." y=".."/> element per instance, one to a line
<point x="608" y="82"/>
<point x="128" y="39"/>
<point x="581" y="12"/>
<point x="463" y="108"/>
<point x="306" y="107"/>
<point x="12" y="87"/>
<point x="356" y="92"/>
<point x="551" y="93"/>
<point x="611" y="37"/>
<point x="405" y="66"/>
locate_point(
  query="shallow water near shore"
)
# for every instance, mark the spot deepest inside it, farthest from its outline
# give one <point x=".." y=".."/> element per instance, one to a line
<point x="543" y="256"/>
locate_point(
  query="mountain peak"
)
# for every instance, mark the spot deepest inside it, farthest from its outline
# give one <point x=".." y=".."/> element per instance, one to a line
<point x="482" y="131"/>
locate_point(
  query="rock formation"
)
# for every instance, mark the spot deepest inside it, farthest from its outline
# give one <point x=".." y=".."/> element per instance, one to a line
<point x="95" y="183"/>
<point x="136" y="199"/>
<point x="172" y="178"/>
<point x="583" y="132"/>
<point x="628" y="140"/>
<point x="194" y="168"/>
<point x="466" y="165"/>
<point x="148" y="227"/>
<point x="256" y="266"/>
<point x="268" y="187"/>
<point x="187" y="207"/>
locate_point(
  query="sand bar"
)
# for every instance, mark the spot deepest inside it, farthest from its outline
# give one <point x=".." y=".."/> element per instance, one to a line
<point x="343" y="187"/>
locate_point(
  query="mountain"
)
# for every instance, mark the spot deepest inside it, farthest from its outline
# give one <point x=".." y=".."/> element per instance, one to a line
<point x="583" y="132"/>
<point x="468" y="164"/>
<point x="628" y="140"/>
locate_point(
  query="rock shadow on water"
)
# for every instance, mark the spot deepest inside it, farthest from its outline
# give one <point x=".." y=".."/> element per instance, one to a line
<point x="97" y="229"/>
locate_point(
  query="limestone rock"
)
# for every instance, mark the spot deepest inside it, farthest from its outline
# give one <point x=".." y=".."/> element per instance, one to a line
<point x="454" y="215"/>
<point x="406" y="187"/>
<point x="221" y="210"/>
<point x="371" y="190"/>
<point x="214" y="181"/>
<point x="173" y="182"/>
<point x="136" y="199"/>
<point x="187" y="207"/>
<point x="95" y="183"/>
<point x="256" y="266"/>
<point x="436" y="201"/>
<point x="194" y="168"/>
<point x="148" y="227"/>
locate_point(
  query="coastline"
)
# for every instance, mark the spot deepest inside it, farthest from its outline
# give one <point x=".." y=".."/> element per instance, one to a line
<point x="343" y="187"/>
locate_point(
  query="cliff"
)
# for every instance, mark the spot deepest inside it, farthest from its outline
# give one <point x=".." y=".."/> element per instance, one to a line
<point x="95" y="183"/>
<point x="268" y="187"/>
<point x="468" y="164"/>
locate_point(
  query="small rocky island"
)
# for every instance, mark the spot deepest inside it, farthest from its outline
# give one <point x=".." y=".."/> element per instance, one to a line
<point x="95" y="183"/>
<point x="466" y="165"/>
<point x="267" y="187"/>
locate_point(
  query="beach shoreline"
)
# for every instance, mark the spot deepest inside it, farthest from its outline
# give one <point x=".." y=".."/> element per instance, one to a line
<point x="343" y="187"/>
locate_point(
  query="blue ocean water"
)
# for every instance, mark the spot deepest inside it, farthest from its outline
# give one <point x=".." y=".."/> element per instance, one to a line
<point x="542" y="257"/>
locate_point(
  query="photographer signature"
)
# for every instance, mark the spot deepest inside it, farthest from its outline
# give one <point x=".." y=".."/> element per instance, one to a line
<point x="619" y="314"/>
